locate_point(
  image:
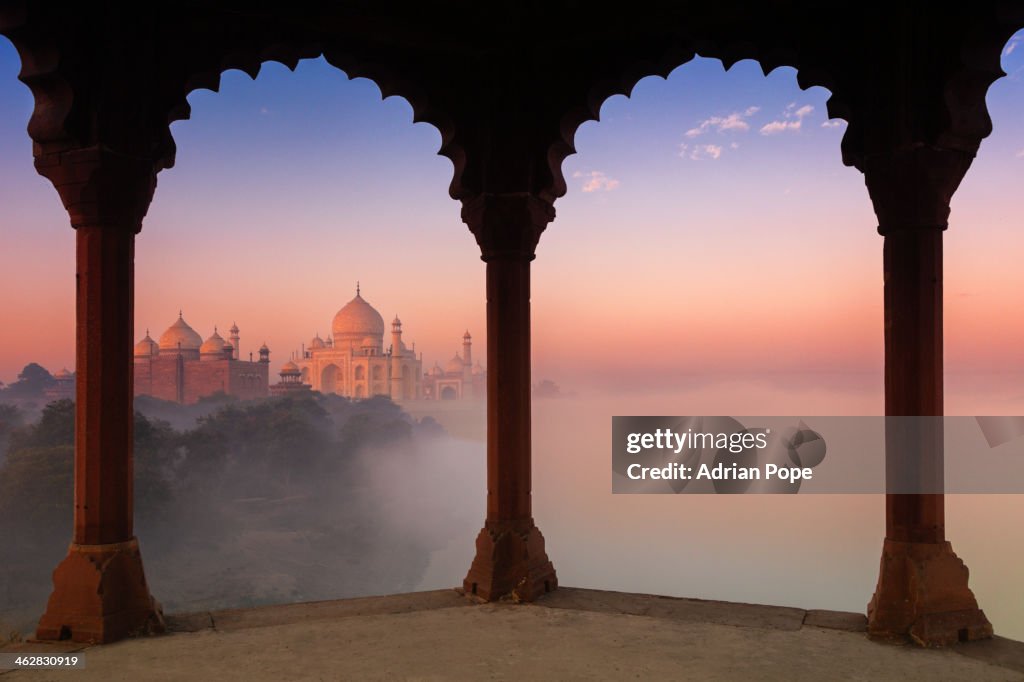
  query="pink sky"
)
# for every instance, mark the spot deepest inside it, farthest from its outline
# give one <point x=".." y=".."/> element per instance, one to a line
<point x="685" y="247"/>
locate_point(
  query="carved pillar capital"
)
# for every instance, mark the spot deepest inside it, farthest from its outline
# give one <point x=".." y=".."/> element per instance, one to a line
<point x="507" y="226"/>
<point x="100" y="187"/>
<point x="912" y="188"/>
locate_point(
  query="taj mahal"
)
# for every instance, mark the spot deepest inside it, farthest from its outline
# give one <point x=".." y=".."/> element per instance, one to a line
<point x="353" y="362"/>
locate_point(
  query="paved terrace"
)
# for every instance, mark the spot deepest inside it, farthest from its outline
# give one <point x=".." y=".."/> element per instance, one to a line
<point x="569" y="634"/>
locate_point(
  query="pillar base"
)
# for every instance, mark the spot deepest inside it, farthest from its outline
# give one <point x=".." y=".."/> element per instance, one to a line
<point x="510" y="562"/>
<point x="99" y="596"/>
<point x="922" y="595"/>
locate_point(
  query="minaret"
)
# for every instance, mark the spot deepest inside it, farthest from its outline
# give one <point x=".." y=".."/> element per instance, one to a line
<point x="234" y="339"/>
<point x="396" y="336"/>
<point x="467" y="349"/>
<point x="264" y="369"/>
<point x="397" y="385"/>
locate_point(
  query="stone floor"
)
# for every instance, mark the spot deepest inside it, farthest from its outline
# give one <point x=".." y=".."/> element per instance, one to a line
<point x="569" y="634"/>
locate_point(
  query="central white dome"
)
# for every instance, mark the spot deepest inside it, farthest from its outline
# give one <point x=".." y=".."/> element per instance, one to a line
<point x="357" y="320"/>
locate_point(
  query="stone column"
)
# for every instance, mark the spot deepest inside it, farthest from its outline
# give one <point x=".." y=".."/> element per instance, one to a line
<point x="922" y="587"/>
<point x="100" y="592"/>
<point x="510" y="557"/>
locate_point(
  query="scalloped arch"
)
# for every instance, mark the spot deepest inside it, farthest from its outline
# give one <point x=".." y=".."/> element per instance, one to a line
<point x="59" y="120"/>
<point x="967" y="86"/>
<point x="52" y="95"/>
<point x="388" y="81"/>
<point x="621" y="80"/>
<point x="64" y="119"/>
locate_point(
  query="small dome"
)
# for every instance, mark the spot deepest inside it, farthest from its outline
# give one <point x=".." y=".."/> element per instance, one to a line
<point x="466" y="336"/>
<point x="290" y="368"/>
<point x="264" y="349"/>
<point x="213" y="345"/>
<point x="316" y="343"/>
<point x="455" y="365"/>
<point x="180" y="335"/>
<point x="436" y="370"/>
<point x="146" y="347"/>
<point x="478" y="368"/>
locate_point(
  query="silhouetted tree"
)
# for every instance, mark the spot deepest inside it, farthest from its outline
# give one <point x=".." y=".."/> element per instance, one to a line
<point x="11" y="419"/>
<point x="156" y="456"/>
<point x="56" y="426"/>
<point x="547" y="389"/>
<point x="36" y="479"/>
<point x="32" y="381"/>
<point x="430" y="427"/>
<point x="217" y="398"/>
<point x="248" y="473"/>
<point x="36" y="495"/>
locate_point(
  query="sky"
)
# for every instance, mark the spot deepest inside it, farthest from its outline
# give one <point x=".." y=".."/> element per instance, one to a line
<point x="710" y="232"/>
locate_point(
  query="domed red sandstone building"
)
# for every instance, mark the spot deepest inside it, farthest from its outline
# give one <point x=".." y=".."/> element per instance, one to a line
<point x="183" y="368"/>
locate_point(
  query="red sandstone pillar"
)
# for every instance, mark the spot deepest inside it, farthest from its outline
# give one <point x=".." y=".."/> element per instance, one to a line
<point x="100" y="592"/>
<point x="510" y="556"/>
<point x="912" y="265"/>
<point x="922" y="590"/>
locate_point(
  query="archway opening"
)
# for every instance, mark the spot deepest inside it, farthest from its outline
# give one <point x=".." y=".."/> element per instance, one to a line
<point x="329" y="379"/>
<point x="982" y="333"/>
<point x="713" y="257"/>
<point x="287" y="191"/>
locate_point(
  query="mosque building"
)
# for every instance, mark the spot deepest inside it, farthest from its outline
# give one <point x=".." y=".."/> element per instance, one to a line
<point x="183" y="368"/>
<point x="354" y="363"/>
<point x="459" y="379"/>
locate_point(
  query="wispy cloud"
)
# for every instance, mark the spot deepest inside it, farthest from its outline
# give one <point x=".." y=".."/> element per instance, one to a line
<point x="700" y="152"/>
<point x="1011" y="46"/>
<point x="833" y="123"/>
<point x="736" y="121"/>
<point x="596" y="181"/>
<point x="1020" y="154"/>
<point x="792" y="120"/>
